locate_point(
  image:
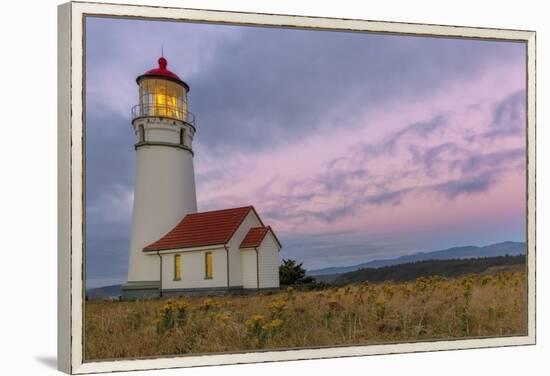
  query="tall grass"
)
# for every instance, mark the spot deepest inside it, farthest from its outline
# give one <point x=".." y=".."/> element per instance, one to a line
<point x="428" y="308"/>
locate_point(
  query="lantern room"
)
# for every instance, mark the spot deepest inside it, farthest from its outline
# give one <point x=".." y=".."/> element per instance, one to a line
<point x="162" y="94"/>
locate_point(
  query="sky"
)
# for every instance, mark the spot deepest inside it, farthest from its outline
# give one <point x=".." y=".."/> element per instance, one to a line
<point x="352" y="146"/>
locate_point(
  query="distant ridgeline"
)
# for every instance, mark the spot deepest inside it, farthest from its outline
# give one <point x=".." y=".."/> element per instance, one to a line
<point x="500" y="249"/>
<point x="442" y="268"/>
<point x="452" y="262"/>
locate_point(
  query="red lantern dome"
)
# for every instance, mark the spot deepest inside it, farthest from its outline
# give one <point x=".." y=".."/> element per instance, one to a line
<point x="162" y="72"/>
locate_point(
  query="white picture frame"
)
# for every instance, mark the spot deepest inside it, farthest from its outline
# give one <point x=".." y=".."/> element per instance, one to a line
<point x="71" y="172"/>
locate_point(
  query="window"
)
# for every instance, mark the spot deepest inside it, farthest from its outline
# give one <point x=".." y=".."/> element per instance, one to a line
<point x="182" y="136"/>
<point x="141" y="132"/>
<point x="177" y="267"/>
<point x="208" y="265"/>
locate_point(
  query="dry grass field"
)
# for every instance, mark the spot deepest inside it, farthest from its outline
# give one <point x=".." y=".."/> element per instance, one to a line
<point x="428" y="308"/>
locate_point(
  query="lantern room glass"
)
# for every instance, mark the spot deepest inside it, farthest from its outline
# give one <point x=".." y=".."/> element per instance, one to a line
<point x="163" y="98"/>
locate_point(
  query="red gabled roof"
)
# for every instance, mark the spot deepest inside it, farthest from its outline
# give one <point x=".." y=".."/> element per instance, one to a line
<point x="203" y="229"/>
<point x="256" y="235"/>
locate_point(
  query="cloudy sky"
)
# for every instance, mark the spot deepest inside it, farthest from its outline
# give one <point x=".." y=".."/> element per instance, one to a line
<point x="352" y="146"/>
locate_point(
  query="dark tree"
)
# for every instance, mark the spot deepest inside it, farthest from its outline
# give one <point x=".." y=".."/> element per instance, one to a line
<point x="291" y="273"/>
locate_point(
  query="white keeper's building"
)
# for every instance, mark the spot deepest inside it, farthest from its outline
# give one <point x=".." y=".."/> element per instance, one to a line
<point x="174" y="249"/>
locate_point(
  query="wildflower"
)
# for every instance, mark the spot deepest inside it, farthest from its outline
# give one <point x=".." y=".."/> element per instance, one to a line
<point x="181" y="312"/>
<point x="273" y="325"/>
<point x="421" y="284"/>
<point x="172" y="313"/>
<point x="277" y="307"/>
<point x="255" y="328"/>
<point x="255" y="321"/>
<point x="207" y="304"/>
<point x="221" y="318"/>
<point x="407" y="290"/>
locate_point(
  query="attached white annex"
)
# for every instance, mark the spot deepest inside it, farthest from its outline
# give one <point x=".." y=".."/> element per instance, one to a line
<point x="220" y="250"/>
<point x="174" y="249"/>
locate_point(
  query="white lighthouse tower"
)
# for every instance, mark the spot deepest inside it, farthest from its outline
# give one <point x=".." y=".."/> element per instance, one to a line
<point x="164" y="189"/>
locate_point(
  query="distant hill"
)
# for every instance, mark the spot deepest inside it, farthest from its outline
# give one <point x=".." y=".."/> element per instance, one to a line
<point x="105" y="292"/>
<point x="442" y="268"/>
<point x="331" y="274"/>
<point x="493" y="250"/>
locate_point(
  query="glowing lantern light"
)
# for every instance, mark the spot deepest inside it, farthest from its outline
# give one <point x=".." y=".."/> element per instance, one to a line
<point x="162" y="93"/>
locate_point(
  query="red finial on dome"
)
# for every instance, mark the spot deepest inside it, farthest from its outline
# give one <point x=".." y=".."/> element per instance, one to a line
<point x="162" y="63"/>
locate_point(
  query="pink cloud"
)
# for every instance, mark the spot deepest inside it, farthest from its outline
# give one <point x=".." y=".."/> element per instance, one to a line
<point x="411" y="164"/>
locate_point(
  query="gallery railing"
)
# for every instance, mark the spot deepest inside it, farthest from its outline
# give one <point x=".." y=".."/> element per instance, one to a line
<point x="141" y="110"/>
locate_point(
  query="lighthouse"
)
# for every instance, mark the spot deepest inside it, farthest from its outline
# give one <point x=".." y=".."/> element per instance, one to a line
<point x="164" y="190"/>
<point x="175" y="250"/>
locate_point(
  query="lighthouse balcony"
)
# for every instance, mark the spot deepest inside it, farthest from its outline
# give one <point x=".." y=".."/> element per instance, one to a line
<point x="163" y="111"/>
